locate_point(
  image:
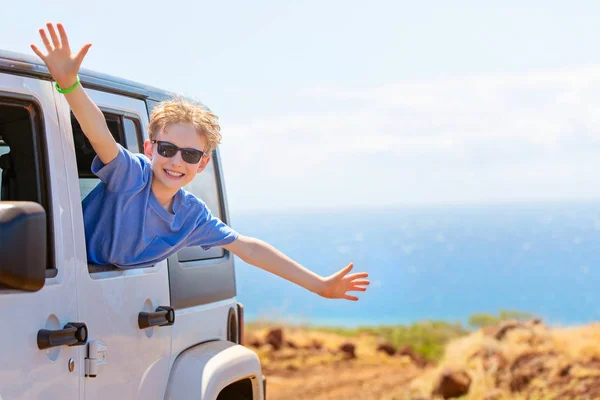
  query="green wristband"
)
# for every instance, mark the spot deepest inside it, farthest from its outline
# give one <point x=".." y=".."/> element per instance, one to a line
<point x="68" y="90"/>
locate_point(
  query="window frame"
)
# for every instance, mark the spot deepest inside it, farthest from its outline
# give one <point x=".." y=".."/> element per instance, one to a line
<point x="137" y="122"/>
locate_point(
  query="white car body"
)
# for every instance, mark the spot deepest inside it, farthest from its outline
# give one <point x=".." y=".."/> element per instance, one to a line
<point x="199" y="356"/>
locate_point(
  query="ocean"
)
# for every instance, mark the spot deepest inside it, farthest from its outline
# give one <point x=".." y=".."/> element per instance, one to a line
<point x="431" y="263"/>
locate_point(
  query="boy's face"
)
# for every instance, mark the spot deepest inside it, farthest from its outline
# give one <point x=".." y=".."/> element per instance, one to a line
<point x="174" y="172"/>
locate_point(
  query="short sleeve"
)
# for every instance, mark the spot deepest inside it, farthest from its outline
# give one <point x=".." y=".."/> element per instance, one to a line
<point x="127" y="172"/>
<point x="211" y="231"/>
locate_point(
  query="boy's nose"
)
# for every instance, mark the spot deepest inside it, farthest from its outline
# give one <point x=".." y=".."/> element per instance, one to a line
<point x="176" y="159"/>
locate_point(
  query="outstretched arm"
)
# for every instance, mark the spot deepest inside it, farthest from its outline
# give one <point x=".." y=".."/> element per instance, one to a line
<point x="64" y="66"/>
<point x="265" y="256"/>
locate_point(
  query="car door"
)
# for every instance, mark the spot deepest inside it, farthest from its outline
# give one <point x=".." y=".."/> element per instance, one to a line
<point x="128" y="362"/>
<point x="32" y="169"/>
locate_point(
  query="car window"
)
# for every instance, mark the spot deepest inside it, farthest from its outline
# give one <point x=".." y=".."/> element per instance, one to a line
<point x="126" y="131"/>
<point x="23" y="176"/>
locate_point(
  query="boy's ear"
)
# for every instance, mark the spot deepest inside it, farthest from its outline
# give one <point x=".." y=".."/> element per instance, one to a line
<point x="203" y="164"/>
<point x="148" y="148"/>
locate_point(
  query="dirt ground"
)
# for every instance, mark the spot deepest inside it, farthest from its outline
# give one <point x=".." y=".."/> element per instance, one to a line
<point x="511" y="361"/>
<point x="348" y="380"/>
<point x="315" y="368"/>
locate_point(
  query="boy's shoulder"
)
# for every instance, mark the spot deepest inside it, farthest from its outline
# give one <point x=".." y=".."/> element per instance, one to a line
<point x="143" y="159"/>
<point x="190" y="200"/>
<point x="127" y="172"/>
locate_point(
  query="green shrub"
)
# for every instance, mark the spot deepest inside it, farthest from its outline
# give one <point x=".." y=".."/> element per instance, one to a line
<point x="481" y="320"/>
<point x="428" y="338"/>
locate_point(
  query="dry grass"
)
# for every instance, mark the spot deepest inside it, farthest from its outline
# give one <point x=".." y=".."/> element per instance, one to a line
<point x="318" y="374"/>
<point x="569" y="346"/>
<point x="579" y="343"/>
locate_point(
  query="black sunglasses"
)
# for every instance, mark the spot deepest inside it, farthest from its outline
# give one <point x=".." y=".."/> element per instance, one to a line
<point x="167" y="149"/>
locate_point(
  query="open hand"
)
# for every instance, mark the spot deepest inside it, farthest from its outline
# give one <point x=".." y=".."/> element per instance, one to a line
<point x="339" y="283"/>
<point x="63" y="65"/>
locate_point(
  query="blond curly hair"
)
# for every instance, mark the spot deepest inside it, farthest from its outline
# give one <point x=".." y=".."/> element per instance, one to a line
<point x="178" y="110"/>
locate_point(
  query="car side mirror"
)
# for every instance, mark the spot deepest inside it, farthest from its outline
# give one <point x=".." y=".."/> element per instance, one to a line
<point x="22" y="246"/>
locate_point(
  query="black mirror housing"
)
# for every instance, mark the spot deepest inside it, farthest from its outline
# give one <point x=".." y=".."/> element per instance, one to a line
<point x="22" y="245"/>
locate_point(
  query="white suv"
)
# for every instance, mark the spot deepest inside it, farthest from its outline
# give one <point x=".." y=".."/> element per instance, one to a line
<point x="70" y="330"/>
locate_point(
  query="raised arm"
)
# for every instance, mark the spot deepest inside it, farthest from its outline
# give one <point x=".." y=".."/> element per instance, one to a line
<point x="64" y="66"/>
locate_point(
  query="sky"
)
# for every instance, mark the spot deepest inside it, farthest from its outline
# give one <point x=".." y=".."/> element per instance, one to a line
<point x="347" y="104"/>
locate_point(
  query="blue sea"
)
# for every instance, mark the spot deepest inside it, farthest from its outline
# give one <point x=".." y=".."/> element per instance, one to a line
<point x="432" y="263"/>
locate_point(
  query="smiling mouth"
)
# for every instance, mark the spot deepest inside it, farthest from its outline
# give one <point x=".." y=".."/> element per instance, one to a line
<point x="173" y="174"/>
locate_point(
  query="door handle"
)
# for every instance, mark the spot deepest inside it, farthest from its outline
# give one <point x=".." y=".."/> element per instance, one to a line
<point x="73" y="334"/>
<point x="164" y="316"/>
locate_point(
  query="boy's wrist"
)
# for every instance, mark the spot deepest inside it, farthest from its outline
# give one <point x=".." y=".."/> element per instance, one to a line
<point x="67" y="83"/>
<point x="319" y="286"/>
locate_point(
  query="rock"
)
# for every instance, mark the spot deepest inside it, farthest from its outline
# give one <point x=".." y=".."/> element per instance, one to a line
<point x="416" y="358"/>
<point x="348" y="349"/>
<point x="500" y="330"/>
<point x="387" y="348"/>
<point x="519" y="382"/>
<point x="526" y="367"/>
<point x="533" y="361"/>
<point x="316" y="344"/>
<point x="291" y="344"/>
<point x="452" y="384"/>
<point x="506" y="327"/>
<point x="275" y="338"/>
<point x="565" y="371"/>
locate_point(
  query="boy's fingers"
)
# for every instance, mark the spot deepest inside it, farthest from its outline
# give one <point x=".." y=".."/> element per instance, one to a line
<point x="345" y="270"/>
<point x="357" y="289"/>
<point x="38" y="52"/>
<point x="357" y="275"/>
<point x="352" y="298"/>
<point x="45" y="40"/>
<point x="63" y="36"/>
<point x="53" y="35"/>
<point x="361" y="282"/>
<point x="80" y="56"/>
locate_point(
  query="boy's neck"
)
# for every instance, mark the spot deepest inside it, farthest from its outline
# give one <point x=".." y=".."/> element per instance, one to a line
<point x="164" y="195"/>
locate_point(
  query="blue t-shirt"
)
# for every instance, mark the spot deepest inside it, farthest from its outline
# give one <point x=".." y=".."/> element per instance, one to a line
<point x="125" y="225"/>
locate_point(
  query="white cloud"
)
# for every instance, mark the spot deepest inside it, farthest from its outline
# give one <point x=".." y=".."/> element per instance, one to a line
<point x="496" y="137"/>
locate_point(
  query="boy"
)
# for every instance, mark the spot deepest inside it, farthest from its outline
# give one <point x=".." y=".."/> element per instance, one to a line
<point x="139" y="214"/>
